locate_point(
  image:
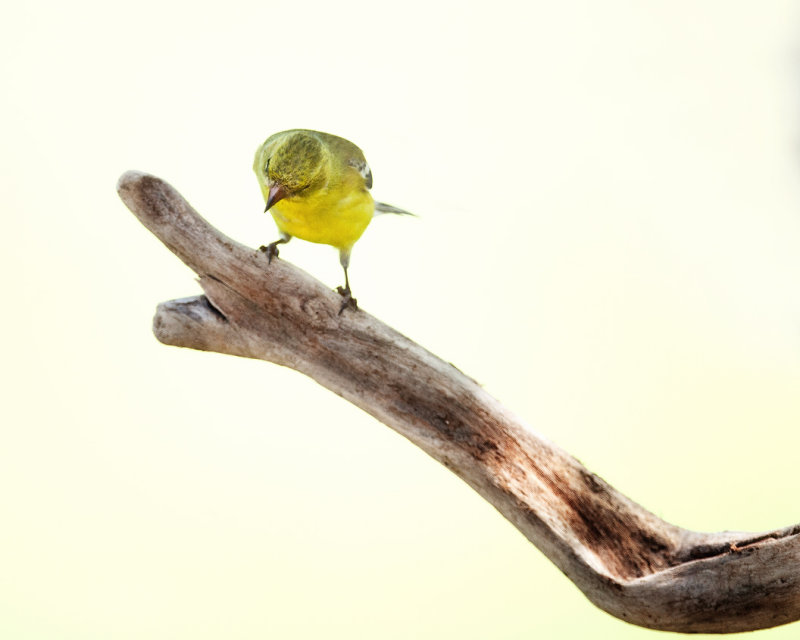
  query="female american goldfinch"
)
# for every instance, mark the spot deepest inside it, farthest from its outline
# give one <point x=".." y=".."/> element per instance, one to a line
<point x="316" y="185"/>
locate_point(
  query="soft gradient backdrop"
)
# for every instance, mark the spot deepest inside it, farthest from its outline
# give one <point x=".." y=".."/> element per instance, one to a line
<point x="609" y="240"/>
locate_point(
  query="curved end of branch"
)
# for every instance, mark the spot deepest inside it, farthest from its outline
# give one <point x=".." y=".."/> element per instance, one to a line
<point x="144" y="194"/>
<point x="749" y="584"/>
<point x="177" y="320"/>
<point x="130" y="177"/>
<point x="194" y="323"/>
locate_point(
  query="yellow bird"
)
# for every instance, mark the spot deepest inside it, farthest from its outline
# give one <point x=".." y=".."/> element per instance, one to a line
<point x="316" y="185"/>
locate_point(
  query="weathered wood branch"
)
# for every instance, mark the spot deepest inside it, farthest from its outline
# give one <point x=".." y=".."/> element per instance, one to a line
<point x="625" y="560"/>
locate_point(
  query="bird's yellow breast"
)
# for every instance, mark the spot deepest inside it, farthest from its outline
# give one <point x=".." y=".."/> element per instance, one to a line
<point x="336" y="215"/>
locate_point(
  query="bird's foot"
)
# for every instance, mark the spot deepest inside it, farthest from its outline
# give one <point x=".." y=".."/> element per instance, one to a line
<point x="348" y="300"/>
<point x="271" y="250"/>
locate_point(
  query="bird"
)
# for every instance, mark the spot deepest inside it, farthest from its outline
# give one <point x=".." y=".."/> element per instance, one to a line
<point x="317" y="187"/>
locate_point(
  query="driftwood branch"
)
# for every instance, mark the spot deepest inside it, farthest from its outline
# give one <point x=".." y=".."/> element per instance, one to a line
<point x="625" y="560"/>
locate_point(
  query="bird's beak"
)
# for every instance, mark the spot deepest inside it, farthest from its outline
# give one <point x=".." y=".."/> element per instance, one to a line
<point x="276" y="192"/>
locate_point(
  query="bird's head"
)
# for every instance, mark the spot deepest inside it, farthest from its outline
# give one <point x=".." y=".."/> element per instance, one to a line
<point x="288" y="163"/>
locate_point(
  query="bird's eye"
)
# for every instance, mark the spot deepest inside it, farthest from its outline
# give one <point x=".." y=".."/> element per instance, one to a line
<point x="266" y="168"/>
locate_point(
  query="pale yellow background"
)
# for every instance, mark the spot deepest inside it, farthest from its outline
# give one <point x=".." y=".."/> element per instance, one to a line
<point x="609" y="240"/>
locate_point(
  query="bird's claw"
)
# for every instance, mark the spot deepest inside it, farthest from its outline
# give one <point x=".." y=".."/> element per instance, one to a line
<point x="348" y="300"/>
<point x="271" y="250"/>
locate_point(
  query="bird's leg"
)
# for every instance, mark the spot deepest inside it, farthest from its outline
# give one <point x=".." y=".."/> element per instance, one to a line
<point x="271" y="249"/>
<point x="347" y="296"/>
<point x="349" y="300"/>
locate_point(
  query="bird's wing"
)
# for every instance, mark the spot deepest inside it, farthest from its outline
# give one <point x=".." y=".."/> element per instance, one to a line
<point x="351" y="155"/>
<point x="362" y="167"/>
<point x="347" y="154"/>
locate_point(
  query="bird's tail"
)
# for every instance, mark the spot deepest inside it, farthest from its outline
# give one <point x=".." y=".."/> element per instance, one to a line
<point x="382" y="207"/>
